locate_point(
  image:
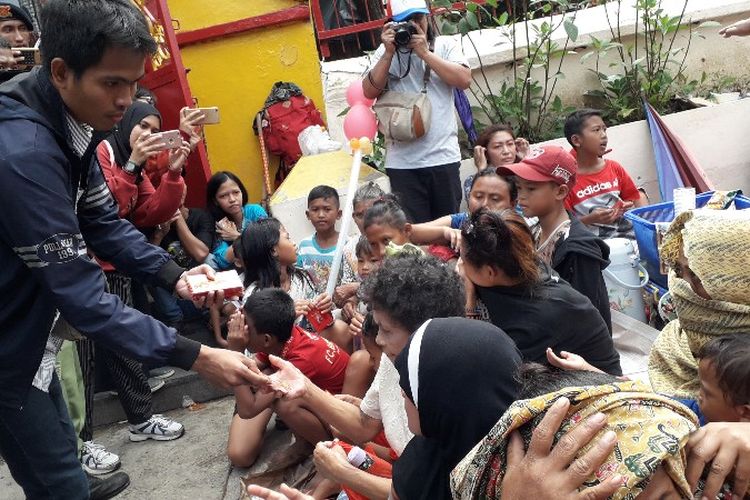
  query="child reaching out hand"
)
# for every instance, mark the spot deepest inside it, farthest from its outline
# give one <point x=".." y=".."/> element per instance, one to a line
<point x="266" y="326"/>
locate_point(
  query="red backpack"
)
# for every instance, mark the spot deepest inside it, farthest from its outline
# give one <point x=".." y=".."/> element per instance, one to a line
<point x="286" y="113"/>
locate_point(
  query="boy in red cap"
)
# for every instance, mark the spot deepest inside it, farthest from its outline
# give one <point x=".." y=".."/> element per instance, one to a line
<point x="544" y="179"/>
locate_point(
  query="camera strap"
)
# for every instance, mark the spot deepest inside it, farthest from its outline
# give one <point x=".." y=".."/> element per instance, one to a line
<point x="427" y="69"/>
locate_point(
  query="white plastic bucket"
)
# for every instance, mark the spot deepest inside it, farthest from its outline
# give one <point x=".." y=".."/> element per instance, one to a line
<point x="622" y="279"/>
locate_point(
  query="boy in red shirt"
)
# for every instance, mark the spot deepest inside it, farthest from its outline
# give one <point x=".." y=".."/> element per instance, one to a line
<point x="266" y="326"/>
<point x="603" y="191"/>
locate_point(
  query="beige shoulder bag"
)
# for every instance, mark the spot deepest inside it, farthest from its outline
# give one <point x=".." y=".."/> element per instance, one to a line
<point x="404" y="116"/>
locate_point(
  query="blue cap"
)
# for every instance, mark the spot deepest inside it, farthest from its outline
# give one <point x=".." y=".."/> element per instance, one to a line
<point x="405" y="14"/>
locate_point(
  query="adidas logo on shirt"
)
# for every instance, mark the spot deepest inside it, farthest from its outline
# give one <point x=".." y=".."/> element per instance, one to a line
<point x="595" y="188"/>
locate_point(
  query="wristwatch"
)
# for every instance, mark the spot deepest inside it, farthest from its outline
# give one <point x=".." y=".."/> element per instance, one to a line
<point x="131" y="168"/>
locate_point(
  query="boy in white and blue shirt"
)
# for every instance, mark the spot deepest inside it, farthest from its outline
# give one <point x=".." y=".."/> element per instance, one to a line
<point x="315" y="253"/>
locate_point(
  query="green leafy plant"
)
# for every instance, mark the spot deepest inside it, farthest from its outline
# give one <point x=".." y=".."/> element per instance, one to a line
<point x="376" y="159"/>
<point x="527" y="101"/>
<point x="652" y="67"/>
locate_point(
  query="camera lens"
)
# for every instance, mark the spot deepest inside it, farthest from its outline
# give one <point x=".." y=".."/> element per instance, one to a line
<point x="403" y="35"/>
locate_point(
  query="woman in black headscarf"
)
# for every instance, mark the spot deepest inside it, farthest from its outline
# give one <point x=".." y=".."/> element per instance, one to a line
<point x="123" y="155"/>
<point x="458" y="376"/>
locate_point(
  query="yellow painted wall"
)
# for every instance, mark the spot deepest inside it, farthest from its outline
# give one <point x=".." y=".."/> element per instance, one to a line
<point x="236" y="74"/>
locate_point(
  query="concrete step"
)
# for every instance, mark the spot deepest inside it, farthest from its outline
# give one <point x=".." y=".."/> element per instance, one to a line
<point x="107" y="407"/>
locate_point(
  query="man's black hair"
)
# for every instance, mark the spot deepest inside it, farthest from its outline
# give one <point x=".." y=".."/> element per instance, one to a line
<point x="730" y="358"/>
<point x="272" y="312"/>
<point x="576" y="120"/>
<point x="324" y="192"/>
<point x="80" y="31"/>
<point x="536" y="380"/>
<point x="414" y="288"/>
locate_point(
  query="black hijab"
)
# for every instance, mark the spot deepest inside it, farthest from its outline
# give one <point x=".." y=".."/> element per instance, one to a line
<point x="119" y="139"/>
<point x="460" y="374"/>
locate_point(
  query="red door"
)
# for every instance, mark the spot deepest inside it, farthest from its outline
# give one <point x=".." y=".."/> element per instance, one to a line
<point x="166" y="77"/>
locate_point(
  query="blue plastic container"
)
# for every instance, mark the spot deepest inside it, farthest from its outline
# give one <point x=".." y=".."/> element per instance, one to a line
<point x="644" y="220"/>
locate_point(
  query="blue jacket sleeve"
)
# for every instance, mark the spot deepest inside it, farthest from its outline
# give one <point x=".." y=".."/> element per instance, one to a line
<point x="45" y="233"/>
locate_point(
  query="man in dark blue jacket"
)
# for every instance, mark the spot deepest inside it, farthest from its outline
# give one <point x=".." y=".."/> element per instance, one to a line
<point x="54" y="205"/>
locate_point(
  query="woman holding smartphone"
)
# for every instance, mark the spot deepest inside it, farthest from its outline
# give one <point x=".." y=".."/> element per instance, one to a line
<point x="122" y="156"/>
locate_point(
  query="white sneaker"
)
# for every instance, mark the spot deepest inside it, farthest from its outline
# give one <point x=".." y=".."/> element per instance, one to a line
<point x="96" y="460"/>
<point x="161" y="373"/>
<point x="155" y="384"/>
<point x="158" y="427"/>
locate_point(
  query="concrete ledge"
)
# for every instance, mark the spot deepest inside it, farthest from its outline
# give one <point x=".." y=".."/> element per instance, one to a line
<point x="494" y="46"/>
<point x="107" y="407"/>
<point x="710" y="54"/>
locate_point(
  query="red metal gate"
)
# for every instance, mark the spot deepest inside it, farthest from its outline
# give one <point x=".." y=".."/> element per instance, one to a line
<point x="166" y="77"/>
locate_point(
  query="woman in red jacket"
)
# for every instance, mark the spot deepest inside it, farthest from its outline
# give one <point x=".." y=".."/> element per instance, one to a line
<point x="122" y="157"/>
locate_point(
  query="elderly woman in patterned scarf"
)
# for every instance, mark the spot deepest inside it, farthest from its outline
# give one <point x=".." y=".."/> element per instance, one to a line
<point x="709" y="280"/>
<point x="648" y="460"/>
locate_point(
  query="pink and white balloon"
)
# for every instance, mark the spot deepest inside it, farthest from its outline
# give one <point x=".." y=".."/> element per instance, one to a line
<point x="355" y="94"/>
<point x="360" y="123"/>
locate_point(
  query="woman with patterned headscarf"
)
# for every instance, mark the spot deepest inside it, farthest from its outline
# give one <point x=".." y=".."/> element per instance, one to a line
<point x="651" y="432"/>
<point x="709" y="281"/>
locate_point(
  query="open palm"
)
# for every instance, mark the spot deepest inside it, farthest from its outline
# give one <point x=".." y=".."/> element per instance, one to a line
<point x="287" y="379"/>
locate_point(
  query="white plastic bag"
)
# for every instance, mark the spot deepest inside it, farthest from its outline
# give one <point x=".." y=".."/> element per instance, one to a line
<point x="314" y="140"/>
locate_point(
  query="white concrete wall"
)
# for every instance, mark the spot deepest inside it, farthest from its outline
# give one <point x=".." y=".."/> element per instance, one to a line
<point x="710" y="53"/>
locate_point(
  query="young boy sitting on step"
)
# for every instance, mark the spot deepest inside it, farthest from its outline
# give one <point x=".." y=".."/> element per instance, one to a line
<point x="266" y="327"/>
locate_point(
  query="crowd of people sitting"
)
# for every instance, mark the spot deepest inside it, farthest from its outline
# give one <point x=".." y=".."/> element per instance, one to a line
<point x="463" y="354"/>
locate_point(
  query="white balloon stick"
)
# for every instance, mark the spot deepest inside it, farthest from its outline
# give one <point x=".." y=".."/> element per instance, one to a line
<point x="346" y="221"/>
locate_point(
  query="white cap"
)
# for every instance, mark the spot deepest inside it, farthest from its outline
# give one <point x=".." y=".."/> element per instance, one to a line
<point x="401" y="9"/>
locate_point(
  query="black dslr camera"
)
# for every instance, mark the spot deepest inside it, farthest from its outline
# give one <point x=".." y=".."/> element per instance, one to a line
<point x="404" y="31"/>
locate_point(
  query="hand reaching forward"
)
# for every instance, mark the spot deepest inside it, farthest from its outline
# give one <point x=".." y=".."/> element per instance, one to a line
<point x="284" y="493"/>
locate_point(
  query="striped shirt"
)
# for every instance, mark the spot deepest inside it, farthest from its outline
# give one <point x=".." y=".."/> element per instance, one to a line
<point x="79" y="137"/>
